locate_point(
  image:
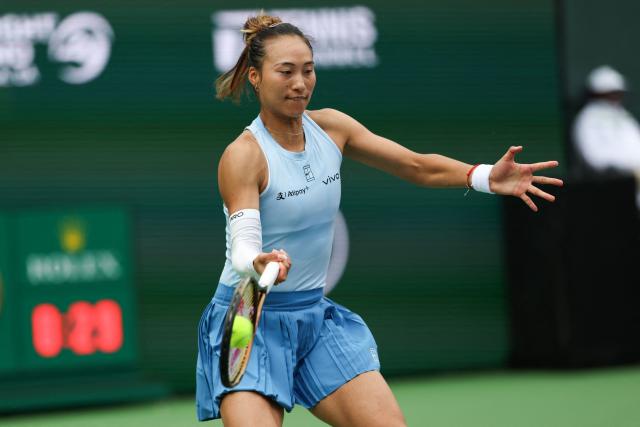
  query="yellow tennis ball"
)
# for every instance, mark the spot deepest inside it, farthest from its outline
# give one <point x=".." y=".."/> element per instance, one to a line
<point x="241" y="332"/>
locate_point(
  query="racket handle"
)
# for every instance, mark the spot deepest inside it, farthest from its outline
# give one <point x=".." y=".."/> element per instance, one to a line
<point x="269" y="275"/>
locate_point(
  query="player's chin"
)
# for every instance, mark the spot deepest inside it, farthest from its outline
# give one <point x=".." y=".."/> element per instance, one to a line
<point x="296" y="107"/>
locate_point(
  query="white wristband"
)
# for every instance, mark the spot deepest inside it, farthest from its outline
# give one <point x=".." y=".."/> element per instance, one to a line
<point x="246" y="240"/>
<point x="480" y="178"/>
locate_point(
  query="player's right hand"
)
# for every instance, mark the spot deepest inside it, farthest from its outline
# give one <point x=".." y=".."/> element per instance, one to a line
<point x="277" y="255"/>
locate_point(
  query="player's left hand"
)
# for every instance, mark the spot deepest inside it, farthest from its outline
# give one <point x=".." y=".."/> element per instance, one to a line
<point x="515" y="179"/>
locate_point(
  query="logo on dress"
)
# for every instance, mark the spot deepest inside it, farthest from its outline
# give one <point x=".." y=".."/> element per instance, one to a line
<point x="308" y="173"/>
<point x="331" y="178"/>
<point x="292" y="193"/>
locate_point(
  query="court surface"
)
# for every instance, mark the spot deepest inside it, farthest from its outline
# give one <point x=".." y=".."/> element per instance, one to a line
<point x="600" y="397"/>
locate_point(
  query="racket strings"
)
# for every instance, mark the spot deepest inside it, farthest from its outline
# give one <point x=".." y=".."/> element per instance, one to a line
<point x="246" y="308"/>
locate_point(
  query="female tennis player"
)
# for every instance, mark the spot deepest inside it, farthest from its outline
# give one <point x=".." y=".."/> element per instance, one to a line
<point x="281" y="207"/>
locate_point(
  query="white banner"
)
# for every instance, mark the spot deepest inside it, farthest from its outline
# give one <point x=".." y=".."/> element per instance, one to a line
<point x="342" y="37"/>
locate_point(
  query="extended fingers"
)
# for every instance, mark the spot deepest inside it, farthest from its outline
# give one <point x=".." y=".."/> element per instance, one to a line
<point x="535" y="191"/>
<point x="548" y="181"/>
<point x="539" y="193"/>
<point x="511" y="153"/>
<point x="544" y="165"/>
<point x="529" y="202"/>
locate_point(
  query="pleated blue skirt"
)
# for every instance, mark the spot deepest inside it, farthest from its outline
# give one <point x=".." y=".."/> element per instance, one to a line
<point x="305" y="348"/>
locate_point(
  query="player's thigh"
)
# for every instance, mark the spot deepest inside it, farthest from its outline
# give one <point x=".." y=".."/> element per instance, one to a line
<point x="248" y="409"/>
<point x="366" y="400"/>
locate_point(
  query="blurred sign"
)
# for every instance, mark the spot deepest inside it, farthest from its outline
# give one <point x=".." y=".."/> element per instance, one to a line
<point x="73" y="296"/>
<point x="342" y="37"/>
<point x="80" y="41"/>
<point x="63" y="250"/>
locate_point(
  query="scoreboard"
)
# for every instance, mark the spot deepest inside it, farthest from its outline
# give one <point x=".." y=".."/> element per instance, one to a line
<point x="66" y="297"/>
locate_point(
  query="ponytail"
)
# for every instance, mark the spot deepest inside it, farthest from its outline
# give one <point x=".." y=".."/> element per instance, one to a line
<point x="232" y="83"/>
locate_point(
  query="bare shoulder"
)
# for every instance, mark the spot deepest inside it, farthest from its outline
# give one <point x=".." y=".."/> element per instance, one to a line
<point x="336" y="124"/>
<point x="329" y="118"/>
<point x="243" y="152"/>
<point x="242" y="173"/>
<point x="243" y="162"/>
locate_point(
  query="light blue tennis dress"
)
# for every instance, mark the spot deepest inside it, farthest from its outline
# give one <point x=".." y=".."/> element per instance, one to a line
<point x="306" y="346"/>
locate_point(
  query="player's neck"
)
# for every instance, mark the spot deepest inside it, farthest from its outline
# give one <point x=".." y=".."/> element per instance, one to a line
<point x="287" y="132"/>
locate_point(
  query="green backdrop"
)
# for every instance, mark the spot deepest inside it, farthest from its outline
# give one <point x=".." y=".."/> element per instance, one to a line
<point x="461" y="78"/>
<point x="7" y="326"/>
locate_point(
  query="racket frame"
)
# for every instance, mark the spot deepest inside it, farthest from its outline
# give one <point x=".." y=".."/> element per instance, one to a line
<point x="260" y="290"/>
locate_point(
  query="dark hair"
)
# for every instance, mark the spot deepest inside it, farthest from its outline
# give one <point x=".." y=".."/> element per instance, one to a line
<point x="256" y="31"/>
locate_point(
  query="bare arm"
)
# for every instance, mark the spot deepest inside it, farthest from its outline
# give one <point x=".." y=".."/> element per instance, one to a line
<point x="433" y="170"/>
<point x="360" y="144"/>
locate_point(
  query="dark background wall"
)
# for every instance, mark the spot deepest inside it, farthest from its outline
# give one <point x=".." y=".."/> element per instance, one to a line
<point x="578" y="306"/>
<point x="460" y="78"/>
<point x="597" y="32"/>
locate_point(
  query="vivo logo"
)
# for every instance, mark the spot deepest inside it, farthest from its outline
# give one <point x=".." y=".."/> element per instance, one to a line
<point x="331" y="179"/>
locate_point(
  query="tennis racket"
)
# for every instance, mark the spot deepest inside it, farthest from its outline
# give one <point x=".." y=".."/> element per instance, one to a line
<point x="247" y="302"/>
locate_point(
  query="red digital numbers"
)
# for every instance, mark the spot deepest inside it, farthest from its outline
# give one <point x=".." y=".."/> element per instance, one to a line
<point x="46" y="322"/>
<point x="85" y="329"/>
<point x="108" y="323"/>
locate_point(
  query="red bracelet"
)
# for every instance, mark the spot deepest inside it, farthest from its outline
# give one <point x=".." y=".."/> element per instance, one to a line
<point x="469" y="174"/>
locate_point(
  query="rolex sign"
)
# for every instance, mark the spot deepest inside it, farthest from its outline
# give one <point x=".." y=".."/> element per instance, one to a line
<point x="77" y="248"/>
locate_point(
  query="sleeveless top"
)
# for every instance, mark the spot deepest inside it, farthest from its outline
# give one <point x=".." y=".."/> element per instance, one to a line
<point x="298" y="207"/>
